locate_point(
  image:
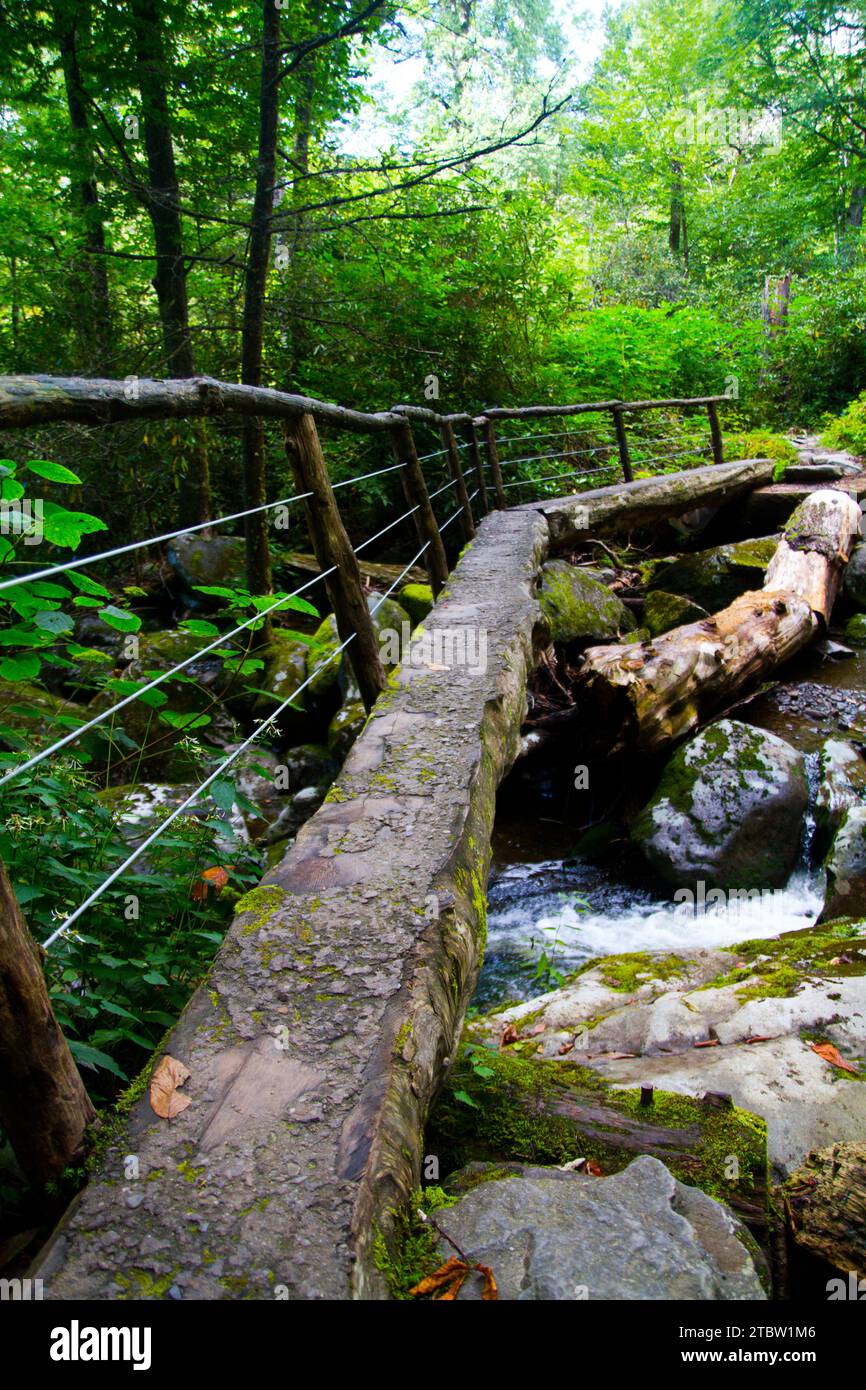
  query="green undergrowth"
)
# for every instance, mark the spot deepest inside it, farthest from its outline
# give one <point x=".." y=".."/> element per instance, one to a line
<point x="412" y="1252"/>
<point x="781" y="962"/>
<point x="627" y="972"/>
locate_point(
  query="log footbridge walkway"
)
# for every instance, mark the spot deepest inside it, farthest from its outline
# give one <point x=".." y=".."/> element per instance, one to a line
<point x="335" y="1004"/>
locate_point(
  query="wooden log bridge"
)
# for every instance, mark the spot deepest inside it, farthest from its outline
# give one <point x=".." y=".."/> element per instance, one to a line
<point x="335" y="1005"/>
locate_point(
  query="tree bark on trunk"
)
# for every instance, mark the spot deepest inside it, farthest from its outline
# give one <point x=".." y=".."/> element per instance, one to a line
<point x="68" y="22"/>
<point x="44" y="1108"/>
<point x="646" y="696"/>
<point x="298" y="331"/>
<point x="162" y="199"/>
<point x="252" y="347"/>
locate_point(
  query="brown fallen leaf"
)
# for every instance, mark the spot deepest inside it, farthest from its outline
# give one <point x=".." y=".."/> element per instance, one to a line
<point x="536" y="1029"/>
<point x="509" y="1035"/>
<point x="759" y="1039"/>
<point x="832" y="1055"/>
<point x="450" y="1278"/>
<point x="710" y="1042"/>
<point x="593" y="1167"/>
<point x="165" y="1098"/>
<point x="566" y="1047"/>
<point x="217" y="876"/>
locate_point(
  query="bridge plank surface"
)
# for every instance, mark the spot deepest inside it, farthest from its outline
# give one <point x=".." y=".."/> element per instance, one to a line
<point x="336" y="1001"/>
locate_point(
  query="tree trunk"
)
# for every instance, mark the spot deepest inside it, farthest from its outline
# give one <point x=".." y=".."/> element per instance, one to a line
<point x="96" y="308"/>
<point x="299" y="336"/>
<point x="677" y="213"/>
<point x="162" y="199"/>
<point x="775" y="301"/>
<point x="252" y="347"/>
<point x="647" y="696"/>
<point x="44" y="1108"/>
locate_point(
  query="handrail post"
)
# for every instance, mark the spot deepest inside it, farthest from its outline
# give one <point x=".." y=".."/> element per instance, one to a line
<point x="622" y="442"/>
<point x="415" y="490"/>
<point x="455" y="468"/>
<point x="331" y="546"/>
<point x="493" y="460"/>
<point x="477" y="464"/>
<point x="715" y="432"/>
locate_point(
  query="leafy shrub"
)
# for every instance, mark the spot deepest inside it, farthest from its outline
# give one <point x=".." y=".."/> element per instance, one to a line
<point x="848" y="430"/>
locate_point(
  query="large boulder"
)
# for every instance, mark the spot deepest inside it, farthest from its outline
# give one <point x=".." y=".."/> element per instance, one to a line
<point x="854" y="582"/>
<point x="714" y="578"/>
<point x="578" y="607"/>
<point x="663" y="611"/>
<point x="728" y="810"/>
<point x="841" y="784"/>
<point x="337" y="676"/>
<point x="417" y="599"/>
<point x="639" y="1234"/>
<point x="846" y="868"/>
<point x="208" y="560"/>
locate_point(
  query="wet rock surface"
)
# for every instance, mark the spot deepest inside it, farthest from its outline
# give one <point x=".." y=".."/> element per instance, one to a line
<point x="639" y="1234"/>
<point x="728" y="810"/>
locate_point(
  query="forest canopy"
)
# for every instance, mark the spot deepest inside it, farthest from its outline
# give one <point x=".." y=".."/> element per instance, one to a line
<point x="481" y="202"/>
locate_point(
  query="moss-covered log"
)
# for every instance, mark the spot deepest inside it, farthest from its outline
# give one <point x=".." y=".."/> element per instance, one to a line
<point x="507" y="1105"/>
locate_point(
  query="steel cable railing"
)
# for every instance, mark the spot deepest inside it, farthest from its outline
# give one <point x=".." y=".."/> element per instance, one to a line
<point x="221" y="768"/>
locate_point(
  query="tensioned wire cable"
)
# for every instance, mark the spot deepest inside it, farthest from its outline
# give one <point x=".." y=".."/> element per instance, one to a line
<point x="212" y="777"/>
<point x="184" y="531"/>
<point x="181" y="665"/>
<point x="158" y="680"/>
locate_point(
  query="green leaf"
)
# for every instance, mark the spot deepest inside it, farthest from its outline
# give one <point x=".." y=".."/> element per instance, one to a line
<point x="184" y="721"/>
<point x="66" y="528"/>
<point x="465" y="1099"/>
<point x="79" y="580"/>
<point x="54" y="622"/>
<point x="117" y="618"/>
<point x="20" y="668"/>
<point x="54" y="472"/>
<point x="199" y="628"/>
<point x="223" y="793"/>
<point x="93" y="1058"/>
<point x="153" y="977"/>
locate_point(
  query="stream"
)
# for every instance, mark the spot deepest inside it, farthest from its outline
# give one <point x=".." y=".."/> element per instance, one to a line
<point x="552" y="908"/>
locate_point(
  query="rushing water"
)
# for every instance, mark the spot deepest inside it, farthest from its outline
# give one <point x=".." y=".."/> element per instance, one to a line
<point x="549" y="906"/>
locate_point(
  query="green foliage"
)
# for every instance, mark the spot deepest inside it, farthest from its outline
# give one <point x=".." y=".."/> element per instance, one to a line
<point x="848" y="431"/>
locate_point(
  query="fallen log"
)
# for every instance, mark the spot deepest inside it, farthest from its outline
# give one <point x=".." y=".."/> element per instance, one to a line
<point x="645" y="697"/>
<point x="626" y="506"/>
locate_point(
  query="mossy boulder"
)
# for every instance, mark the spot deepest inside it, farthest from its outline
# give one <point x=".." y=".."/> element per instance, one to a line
<point x="578" y="607"/>
<point x="337" y="676"/>
<point x="854" y="582"/>
<point x="728" y="810"/>
<point x="285" y="669"/>
<point x="846" y="868"/>
<point x="663" y="611"/>
<point x="344" y="728"/>
<point x="714" y="578"/>
<point x="30" y="717"/>
<point x="841" y="784"/>
<point x="209" y="560"/>
<point x="417" y="599"/>
<point x="855" y="630"/>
